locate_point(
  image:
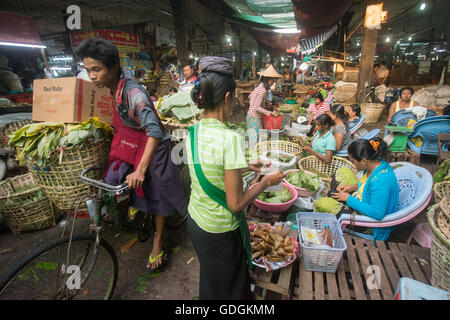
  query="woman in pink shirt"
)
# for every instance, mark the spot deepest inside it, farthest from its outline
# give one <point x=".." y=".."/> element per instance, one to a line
<point x="258" y="98"/>
<point x="319" y="107"/>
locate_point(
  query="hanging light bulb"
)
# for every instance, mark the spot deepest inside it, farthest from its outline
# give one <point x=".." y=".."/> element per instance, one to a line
<point x="410" y="38"/>
<point x="422" y="6"/>
<point x="388" y="39"/>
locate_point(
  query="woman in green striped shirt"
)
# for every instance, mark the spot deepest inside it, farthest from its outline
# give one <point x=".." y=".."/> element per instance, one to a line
<point x="214" y="222"/>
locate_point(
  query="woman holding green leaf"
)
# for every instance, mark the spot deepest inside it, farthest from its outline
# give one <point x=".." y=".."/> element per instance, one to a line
<point x="216" y="222"/>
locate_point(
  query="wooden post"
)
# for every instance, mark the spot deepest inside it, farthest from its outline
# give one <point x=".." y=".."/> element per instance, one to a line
<point x="237" y="50"/>
<point x="368" y="50"/>
<point x="179" y="19"/>
<point x="253" y="66"/>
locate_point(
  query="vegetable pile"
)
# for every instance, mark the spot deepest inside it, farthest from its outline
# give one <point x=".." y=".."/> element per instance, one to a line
<point x="39" y="140"/>
<point x="270" y="244"/>
<point x="345" y="177"/>
<point x="283" y="158"/>
<point x="301" y="179"/>
<point x="178" y="108"/>
<point x="276" y="197"/>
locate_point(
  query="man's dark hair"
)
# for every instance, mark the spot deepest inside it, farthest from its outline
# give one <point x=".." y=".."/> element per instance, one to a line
<point x="101" y="50"/>
<point x="187" y="65"/>
<point x="376" y="65"/>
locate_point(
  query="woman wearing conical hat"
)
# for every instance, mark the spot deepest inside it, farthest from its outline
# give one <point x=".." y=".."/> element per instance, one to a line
<point x="258" y="98"/>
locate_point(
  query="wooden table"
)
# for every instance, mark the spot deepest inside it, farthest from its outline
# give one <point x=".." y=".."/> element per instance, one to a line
<point x="395" y="260"/>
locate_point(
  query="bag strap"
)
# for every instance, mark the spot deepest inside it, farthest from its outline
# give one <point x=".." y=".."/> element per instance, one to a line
<point x="217" y="194"/>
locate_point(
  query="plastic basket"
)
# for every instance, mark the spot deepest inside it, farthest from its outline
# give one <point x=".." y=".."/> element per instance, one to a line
<point x="271" y="122"/>
<point x="321" y="259"/>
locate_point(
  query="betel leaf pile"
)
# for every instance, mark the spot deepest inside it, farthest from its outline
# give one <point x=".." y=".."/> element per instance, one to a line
<point x="276" y="197"/>
<point x="39" y="140"/>
<point x="302" y="179"/>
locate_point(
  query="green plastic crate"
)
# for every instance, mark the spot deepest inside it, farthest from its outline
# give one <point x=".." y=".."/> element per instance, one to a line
<point x="399" y="144"/>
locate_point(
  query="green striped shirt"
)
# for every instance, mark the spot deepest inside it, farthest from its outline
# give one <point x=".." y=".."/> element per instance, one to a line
<point x="219" y="149"/>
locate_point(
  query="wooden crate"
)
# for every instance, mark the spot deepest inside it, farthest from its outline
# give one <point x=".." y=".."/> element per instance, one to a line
<point x="395" y="260"/>
<point x="407" y="156"/>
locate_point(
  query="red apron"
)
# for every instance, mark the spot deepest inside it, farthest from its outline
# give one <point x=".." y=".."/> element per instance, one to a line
<point x="128" y="144"/>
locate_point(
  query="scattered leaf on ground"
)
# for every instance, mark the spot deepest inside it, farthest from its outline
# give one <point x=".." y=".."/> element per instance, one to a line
<point x="128" y="245"/>
<point x="190" y="260"/>
<point x="100" y="272"/>
<point x="176" y="249"/>
<point x="47" y="266"/>
<point x="5" y="251"/>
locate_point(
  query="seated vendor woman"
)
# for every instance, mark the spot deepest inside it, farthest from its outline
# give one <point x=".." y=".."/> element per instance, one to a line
<point x="376" y="195"/>
<point x="141" y="149"/>
<point x="216" y="223"/>
<point x="402" y="103"/>
<point x="340" y="129"/>
<point x="323" y="144"/>
<point x="354" y="114"/>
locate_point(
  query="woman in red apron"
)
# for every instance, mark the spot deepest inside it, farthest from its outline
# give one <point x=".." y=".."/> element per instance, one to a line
<point x="141" y="149"/>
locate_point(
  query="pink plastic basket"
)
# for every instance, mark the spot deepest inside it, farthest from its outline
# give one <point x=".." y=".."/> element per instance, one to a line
<point x="275" y="207"/>
<point x="302" y="192"/>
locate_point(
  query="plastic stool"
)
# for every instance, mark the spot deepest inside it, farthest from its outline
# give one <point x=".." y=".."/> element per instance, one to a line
<point x="421" y="234"/>
<point x="409" y="289"/>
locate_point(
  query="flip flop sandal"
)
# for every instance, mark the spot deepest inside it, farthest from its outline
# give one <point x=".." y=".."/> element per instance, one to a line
<point x="151" y="260"/>
<point x="132" y="214"/>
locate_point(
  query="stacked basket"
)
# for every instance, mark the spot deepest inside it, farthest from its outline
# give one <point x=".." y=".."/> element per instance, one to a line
<point x="439" y="221"/>
<point x="9" y="129"/>
<point x="372" y="111"/>
<point x="24" y="205"/>
<point x="441" y="191"/>
<point x="61" y="181"/>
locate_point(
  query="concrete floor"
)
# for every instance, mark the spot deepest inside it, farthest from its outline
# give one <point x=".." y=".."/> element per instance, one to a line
<point x="180" y="277"/>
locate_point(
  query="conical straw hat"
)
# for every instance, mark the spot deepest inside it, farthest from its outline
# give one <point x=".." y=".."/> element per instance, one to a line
<point x="270" y="72"/>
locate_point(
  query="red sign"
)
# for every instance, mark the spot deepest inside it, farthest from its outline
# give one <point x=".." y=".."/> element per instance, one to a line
<point x="122" y="40"/>
<point x="18" y="29"/>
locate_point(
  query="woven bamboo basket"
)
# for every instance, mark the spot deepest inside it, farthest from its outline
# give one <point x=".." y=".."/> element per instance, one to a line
<point x="439" y="221"/>
<point x="372" y="111"/>
<point x="280" y="145"/>
<point x="10" y="128"/>
<point x="61" y="181"/>
<point x="345" y="94"/>
<point x="325" y="170"/>
<point x="441" y="190"/>
<point x="25" y="210"/>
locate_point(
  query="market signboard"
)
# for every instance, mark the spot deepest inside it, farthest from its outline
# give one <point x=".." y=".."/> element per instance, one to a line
<point x="124" y="41"/>
<point x="18" y="28"/>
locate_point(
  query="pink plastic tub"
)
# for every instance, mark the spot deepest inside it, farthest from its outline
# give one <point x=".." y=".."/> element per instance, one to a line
<point x="274" y="207"/>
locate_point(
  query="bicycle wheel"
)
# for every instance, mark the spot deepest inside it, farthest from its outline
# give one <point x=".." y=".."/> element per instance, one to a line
<point x="88" y="272"/>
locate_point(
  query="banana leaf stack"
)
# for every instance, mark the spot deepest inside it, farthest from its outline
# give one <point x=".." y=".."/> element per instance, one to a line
<point x="39" y="141"/>
<point x="178" y="108"/>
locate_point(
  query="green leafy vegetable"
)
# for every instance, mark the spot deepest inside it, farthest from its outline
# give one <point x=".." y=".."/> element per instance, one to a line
<point x="345" y="177"/>
<point x="327" y="205"/>
<point x="283" y="158"/>
<point x="281" y="196"/>
<point x="301" y="179"/>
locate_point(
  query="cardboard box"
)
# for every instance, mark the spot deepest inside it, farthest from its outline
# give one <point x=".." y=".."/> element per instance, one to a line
<point x="70" y="100"/>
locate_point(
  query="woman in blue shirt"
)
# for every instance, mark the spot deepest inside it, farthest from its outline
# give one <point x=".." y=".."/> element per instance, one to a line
<point x="323" y="144"/>
<point x="377" y="194"/>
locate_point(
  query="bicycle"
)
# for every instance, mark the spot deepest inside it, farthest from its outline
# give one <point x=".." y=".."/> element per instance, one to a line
<point x="77" y="262"/>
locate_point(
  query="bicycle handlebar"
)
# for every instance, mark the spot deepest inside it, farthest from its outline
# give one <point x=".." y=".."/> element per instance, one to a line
<point x="102" y="185"/>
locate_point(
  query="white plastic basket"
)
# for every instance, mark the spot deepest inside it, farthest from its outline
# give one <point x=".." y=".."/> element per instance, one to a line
<point x="321" y="259"/>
